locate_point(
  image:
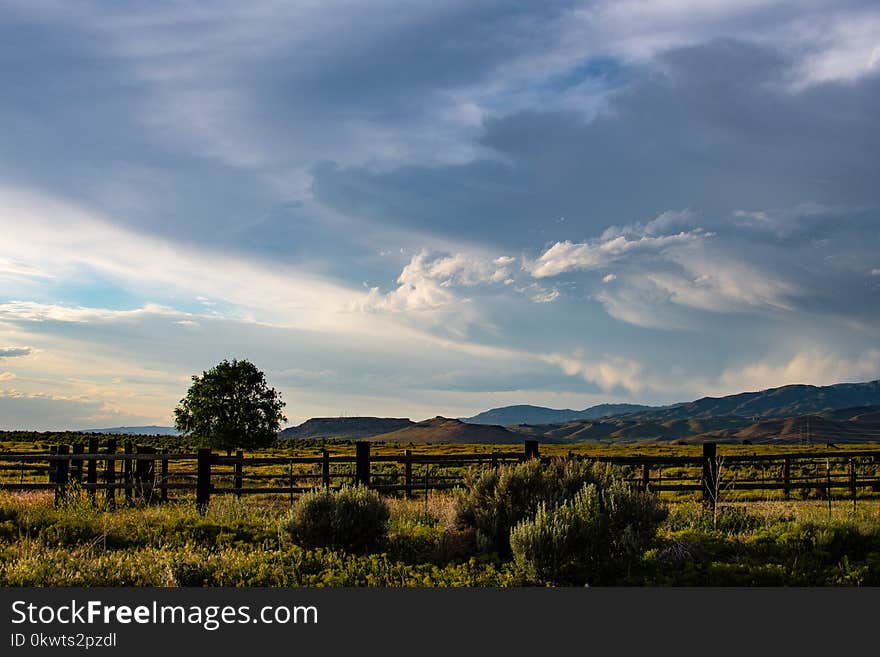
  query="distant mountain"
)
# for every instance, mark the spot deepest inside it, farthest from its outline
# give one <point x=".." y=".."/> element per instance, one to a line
<point x="137" y="431"/>
<point x="525" y="414"/>
<point x="855" y="425"/>
<point x="787" y="401"/>
<point x="345" y="428"/>
<point x="446" y="430"/>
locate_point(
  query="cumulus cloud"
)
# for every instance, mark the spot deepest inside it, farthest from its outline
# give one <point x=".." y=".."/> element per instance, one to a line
<point x="428" y="282"/>
<point x="692" y="268"/>
<point x="567" y="256"/>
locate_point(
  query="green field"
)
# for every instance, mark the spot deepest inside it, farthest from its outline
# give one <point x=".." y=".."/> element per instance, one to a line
<point x="242" y="542"/>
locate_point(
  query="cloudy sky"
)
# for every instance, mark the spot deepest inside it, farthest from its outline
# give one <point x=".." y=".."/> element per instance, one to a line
<point x="414" y="208"/>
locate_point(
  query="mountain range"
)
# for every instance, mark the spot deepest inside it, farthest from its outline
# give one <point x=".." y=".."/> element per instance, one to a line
<point x="786" y="401"/>
<point x="791" y="400"/>
<point x="846" y="412"/>
<point x="525" y="414"/>
<point x="859" y="424"/>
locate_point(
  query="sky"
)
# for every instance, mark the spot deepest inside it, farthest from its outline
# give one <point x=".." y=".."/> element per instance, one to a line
<point x="413" y="209"/>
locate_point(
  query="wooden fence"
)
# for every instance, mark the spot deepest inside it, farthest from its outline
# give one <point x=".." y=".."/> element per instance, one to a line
<point x="143" y="473"/>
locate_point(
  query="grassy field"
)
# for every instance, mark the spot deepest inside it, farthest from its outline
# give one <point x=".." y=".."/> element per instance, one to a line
<point x="767" y="541"/>
<point x="243" y="543"/>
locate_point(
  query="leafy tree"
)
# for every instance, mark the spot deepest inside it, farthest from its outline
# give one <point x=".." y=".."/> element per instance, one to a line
<point x="231" y="406"/>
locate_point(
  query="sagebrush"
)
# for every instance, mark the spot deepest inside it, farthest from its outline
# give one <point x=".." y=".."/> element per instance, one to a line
<point x="495" y="500"/>
<point x="353" y="518"/>
<point x="590" y="539"/>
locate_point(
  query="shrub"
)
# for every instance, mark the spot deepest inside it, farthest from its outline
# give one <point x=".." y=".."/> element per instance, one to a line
<point x="493" y="501"/>
<point x="353" y="518"/>
<point x="589" y="539"/>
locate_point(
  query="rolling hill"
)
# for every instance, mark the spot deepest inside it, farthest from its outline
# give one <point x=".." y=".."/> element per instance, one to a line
<point x="855" y="425"/>
<point x="525" y="414"/>
<point x="345" y="428"/>
<point x="787" y="401"/>
<point x="447" y="430"/>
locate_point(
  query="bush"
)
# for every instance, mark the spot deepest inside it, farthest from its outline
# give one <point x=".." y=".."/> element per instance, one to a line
<point x="353" y="518"/>
<point x="493" y="501"/>
<point x="589" y="539"/>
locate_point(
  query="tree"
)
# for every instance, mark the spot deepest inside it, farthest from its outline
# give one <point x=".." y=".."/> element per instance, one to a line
<point x="231" y="406"/>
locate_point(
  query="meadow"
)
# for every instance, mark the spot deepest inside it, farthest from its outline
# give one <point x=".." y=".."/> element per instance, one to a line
<point x="242" y="543"/>
<point x="753" y="540"/>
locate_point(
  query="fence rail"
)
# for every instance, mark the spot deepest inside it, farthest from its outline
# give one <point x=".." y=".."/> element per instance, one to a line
<point x="143" y="473"/>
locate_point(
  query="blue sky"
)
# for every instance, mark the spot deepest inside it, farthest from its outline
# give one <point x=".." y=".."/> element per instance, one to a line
<point x="412" y="209"/>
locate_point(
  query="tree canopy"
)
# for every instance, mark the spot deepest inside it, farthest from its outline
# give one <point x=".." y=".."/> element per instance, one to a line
<point x="231" y="406"/>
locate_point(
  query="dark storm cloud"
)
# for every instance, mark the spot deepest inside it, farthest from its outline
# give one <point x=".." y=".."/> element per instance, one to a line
<point x="713" y="127"/>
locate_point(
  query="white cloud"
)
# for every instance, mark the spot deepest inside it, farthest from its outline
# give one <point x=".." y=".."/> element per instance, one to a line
<point x="545" y="296"/>
<point x="841" y="47"/>
<point x="608" y="373"/>
<point x="567" y="256"/>
<point x="71" y="243"/>
<point x="32" y="311"/>
<point x="538" y="293"/>
<point x="641" y="307"/>
<point x="20" y="269"/>
<point x="813" y="365"/>
<point x="428" y="282"/>
<point x="13" y="352"/>
<point x="655" y="270"/>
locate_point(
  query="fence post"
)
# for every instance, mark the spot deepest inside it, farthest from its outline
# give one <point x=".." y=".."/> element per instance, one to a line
<point x="164" y="481"/>
<point x="362" y="463"/>
<point x="61" y="474"/>
<point x="407" y="472"/>
<point x="238" y="475"/>
<point x="646" y="476"/>
<point x="532" y="451"/>
<point x="110" y="473"/>
<point x="852" y="480"/>
<point x="494" y="460"/>
<point x="76" y="465"/>
<point x="92" y="468"/>
<point x="203" y="485"/>
<point x="786" y="478"/>
<point x="290" y="481"/>
<point x="325" y="468"/>
<point x="145" y="472"/>
<point x="53" y="464"/>
<point x="126" y="471"/>
<point x="709" y="478"/>
<point x="828" y="484"/>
